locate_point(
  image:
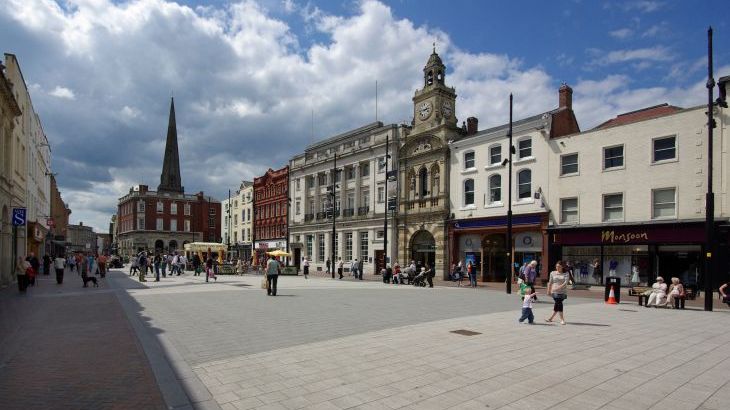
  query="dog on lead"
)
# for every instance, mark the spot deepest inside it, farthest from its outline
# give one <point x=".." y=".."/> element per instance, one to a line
<point x="88" y="279"/>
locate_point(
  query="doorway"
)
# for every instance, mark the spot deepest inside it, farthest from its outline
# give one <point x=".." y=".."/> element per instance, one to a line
<point x="298" y="258"/>
<point x="423" y="248"/>
<point x="495" y="258"/>
<point x="379" y="261"/>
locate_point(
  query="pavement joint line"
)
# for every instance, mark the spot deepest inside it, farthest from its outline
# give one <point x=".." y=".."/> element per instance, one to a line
<point x="174" y="394"/>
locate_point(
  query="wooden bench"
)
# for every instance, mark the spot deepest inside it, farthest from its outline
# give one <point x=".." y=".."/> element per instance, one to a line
<point x="689" y="293"/>
<point x="639" y="291"/>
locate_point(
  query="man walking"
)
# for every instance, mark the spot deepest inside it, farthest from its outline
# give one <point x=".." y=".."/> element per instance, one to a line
<point x="182" y="262"/>
<point x="340" y="267"/>
<point x="306" y="267"/>
<point x="60" y="264"/>
<point x="272" y="275"/>
<point x="46" y="264"/>
<point x="332" y="271"/>
<point x="360" y="268"/>
<point x="142" y="262"/>
<point x="353" y="268"/>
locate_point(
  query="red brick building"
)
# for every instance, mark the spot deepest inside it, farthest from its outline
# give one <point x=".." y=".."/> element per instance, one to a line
<point x="270" y="211"/>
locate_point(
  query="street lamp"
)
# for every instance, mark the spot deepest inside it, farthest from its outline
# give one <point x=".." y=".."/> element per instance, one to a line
<point x="333" y="203"/>
<point x="509" y="201"/>
<point x="387" y="203"/>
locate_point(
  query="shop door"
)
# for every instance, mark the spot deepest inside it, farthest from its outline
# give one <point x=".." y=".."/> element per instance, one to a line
<point x="297" y="257"/>
<point x="379" y="261"/>
<point x="495" y="263"/>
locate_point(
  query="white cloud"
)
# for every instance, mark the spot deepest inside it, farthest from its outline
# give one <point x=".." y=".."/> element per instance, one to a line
<point x="652" y="54"/>
<point x="622" y="33"/>
<point x="63" y="92"/>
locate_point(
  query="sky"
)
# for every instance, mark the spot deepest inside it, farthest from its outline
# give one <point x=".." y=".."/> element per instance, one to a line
<point x="248" y="76"/>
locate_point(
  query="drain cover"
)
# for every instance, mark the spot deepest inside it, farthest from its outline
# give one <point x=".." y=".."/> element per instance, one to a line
<point x="465" y="332"/>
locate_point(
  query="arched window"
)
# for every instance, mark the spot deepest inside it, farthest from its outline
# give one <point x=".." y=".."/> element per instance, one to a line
<point x="429" y="78"/>
<point x="423" y="177"/>
<point x="435" y="180"/>
<point x="524" y="184"/>
<point x="495" y="188"/>
<point x="469" y="192"/>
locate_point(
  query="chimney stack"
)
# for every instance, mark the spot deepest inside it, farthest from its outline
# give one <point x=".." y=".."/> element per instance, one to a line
<point x="565" y="97"/>
<point x="472" y="125"/>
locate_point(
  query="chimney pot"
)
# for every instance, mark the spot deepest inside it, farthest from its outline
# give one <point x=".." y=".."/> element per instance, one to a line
<point x="472" y="125"/>
<point x="565" y="97"/>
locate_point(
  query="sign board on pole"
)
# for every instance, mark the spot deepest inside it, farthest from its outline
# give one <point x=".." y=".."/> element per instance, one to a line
<point x="18" y="216"/>
<point x="50" y="222"/>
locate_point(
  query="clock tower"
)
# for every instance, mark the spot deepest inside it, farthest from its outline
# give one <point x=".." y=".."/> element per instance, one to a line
<point x="423" y="171"/>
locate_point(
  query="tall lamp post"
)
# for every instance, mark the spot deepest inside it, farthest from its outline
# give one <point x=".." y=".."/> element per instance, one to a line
<point x="387" y="203"/>
<point x="333" y="193"/>
<point x="509" y="201"/>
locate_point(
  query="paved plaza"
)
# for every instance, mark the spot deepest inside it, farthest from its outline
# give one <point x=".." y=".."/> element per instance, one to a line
<point x="331" y="344"/>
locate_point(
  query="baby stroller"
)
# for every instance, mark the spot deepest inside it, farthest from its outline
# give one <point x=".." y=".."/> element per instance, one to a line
<point x="420" y="279"/>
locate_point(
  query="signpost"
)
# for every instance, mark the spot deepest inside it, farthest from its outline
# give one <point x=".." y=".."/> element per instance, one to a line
<point x="19" y="216"/>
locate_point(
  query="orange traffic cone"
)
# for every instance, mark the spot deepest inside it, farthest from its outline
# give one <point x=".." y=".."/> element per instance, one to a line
<point x="611" y="298"/>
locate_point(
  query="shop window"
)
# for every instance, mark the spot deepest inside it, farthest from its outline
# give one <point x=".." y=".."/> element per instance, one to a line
<point x="524" y="184"/>
<point x="525" y="148"/>
<point x="320" y="247"/>
<point x="613" y="207"/>
<point x="613" y="157"/>
<point x="664" y="203"/>
<point x="569" y="210"/>
<point x="495" y="189"/>
<point x="665" y="148"/>
<point x="495" y="155"/>
<point x="469" y="192"/>
<point x="569" y="164"/>
<point x="469" y="160"/>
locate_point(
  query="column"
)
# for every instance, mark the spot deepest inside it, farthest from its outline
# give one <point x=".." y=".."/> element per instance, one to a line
<point x="358" y="183"/>
<point x="327" y="247"/>
<point x="356" y="245"/>
<point x="342" y="193"/>
<point x="317" y="203"/>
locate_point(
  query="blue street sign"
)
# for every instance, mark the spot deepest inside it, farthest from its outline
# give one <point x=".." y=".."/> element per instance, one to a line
<point x="18" y="216"/>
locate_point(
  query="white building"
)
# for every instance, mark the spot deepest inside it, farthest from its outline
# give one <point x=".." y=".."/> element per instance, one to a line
<point x="360" y="198"/>
<point x="629" y="196"/>
<point x="236" y="223"/>
<point x="478" y="187"/>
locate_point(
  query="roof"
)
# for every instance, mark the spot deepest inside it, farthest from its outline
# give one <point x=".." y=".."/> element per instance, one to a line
<point x="647" y="113"/>
<point x="344" y="136"/>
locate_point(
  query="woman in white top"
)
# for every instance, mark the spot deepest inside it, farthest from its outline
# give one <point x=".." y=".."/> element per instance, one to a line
<point x="658" y="293"/>
<point x="558" y="289"/>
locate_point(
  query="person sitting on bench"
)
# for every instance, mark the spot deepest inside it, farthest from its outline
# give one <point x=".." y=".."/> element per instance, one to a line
<point x="676" y="294"/>
<point x="658" y="293"/>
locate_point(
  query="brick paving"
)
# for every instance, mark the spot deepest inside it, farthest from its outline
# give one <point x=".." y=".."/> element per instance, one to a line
<point x="66" y="347"/>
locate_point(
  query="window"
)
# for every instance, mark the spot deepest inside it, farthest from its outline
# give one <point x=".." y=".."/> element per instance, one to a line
<point x="298" y="207"/>
<point x="495" y="188"/>
<point x="423" y="177"/>
<point x="524" y="184"/>
<point x="160" y="224"/>
<point x="320" y="247"/>
<point x="235" y="237"/>
<point x="364" y="170"/>
<point x="173" y="208"/>
<point x="322" y="179"/>
<point x="338" y="175"/>
<point x="569" y="164"/>
<point x="249" y="214"/>
<point x="381" y="194"/>
<point x="140" y="206"/>
<point x="187" y="225"/>
<point x="297" y="184"/>
<point x="310" y="239"/>
<point x="469" y="192"/>
<point x="348" y="246"/>
<point x="350" y="200"/>
<point x="469" y="160"/>
<point x="495" y="155"/>
<point x="350" y="173"/>
<point x="525" y="148"/>
<point x="173" y="225"/>
<point x="664" y="203"/>
<point x="211" y="211"/>
<point x="160" y="207"/>
<point x="613" y="157"/>
<point x="140" y="223"/>
<point x="364" y="248"/>
<point x="310" y="181"/>
<point x="665" y="148"/>
<point x="381" y="164"/>
<point x="569" y="210"/>
<point x="365" y="197"/>
<point x="613" y="207"/>
<point x="211" y="222"/>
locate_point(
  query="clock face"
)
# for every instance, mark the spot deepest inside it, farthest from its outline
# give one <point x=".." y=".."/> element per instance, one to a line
<point x="446" y="109"/>
<point x="424" y="110"/>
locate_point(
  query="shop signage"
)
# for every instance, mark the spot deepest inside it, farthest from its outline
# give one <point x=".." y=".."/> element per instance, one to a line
<point x="18" y="216"/>
<point x="629" y="235"/>
<point x="626" y="237"/>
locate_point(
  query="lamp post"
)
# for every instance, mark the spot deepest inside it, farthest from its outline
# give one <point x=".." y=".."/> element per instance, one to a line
<point x="387" y="203"/>
<point x="710" y="196"/>
<point x="333" y="193"/>
<point x="288" y="210"/>
<point x="509" y="201"/>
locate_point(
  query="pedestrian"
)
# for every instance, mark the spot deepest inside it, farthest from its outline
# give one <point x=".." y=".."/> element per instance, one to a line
<point x="360" y="267"/>
<point x="472" y="274"/>
<point x="725" y="293"/>
<point x="209" y="264"/>
<point x="163" y="265"/>
<point x="35" y="264"/>
<point x="558" y="289"/>
<point x="273" y="268"/>
<point x="305" y="263"/>
<point x="142" y="262"/>
<point x="353" y="268"/>
<point x="60" y="264"/>
<point x="328" y="263"/>
<point x="196" y="265"/>
<point x="157" y="261"/>
<point x="84" y="267"/>
<point x="396" y="273"/>
<point x="658" y="293"/>
<point x="21" y="272"/>
<point x="102" y="265"/>
<point x="134" y="265"/>
<point x="530" y="275"/>
<point x="340" y="268"/>
<point x="175" y="265"/>
<point x="46" y="264"/>
<point x="527" y="306"/>
<point x="429" y="275"/>
<point x="183" y="261"/>
<point x="93" y="268"/>
<point x="71" y="263"/>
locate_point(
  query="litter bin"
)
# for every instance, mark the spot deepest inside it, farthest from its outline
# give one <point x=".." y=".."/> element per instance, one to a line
<point x="614" y="281"/>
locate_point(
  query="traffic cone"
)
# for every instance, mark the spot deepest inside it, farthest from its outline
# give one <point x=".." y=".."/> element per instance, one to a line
<point x="611" y="298"/>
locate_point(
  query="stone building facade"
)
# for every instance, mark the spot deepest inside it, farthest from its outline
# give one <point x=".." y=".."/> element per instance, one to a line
<point x="60" y="214"/>
<point x="9" y="111"/>
<point x="237" y="221"/>
<point x="360" y="198"/>
<point x="81" y="238"/>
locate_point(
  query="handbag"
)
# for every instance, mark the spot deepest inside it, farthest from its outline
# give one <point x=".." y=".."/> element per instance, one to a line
<point x="264" y="284"/>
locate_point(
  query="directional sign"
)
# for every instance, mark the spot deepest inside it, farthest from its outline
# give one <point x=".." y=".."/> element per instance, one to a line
<point x="18" y="216"/>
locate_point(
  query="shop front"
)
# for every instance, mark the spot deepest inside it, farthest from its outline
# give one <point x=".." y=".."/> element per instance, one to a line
<point x="262" y="247"/>
<point x="635" y="253"/>
<point x="482" y="241"/>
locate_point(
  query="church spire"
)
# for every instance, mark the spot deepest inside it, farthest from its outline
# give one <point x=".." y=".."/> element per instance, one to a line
<point x="170" y="177"/>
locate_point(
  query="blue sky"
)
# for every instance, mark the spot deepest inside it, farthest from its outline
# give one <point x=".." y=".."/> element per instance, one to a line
<point x="248" y="72"/>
